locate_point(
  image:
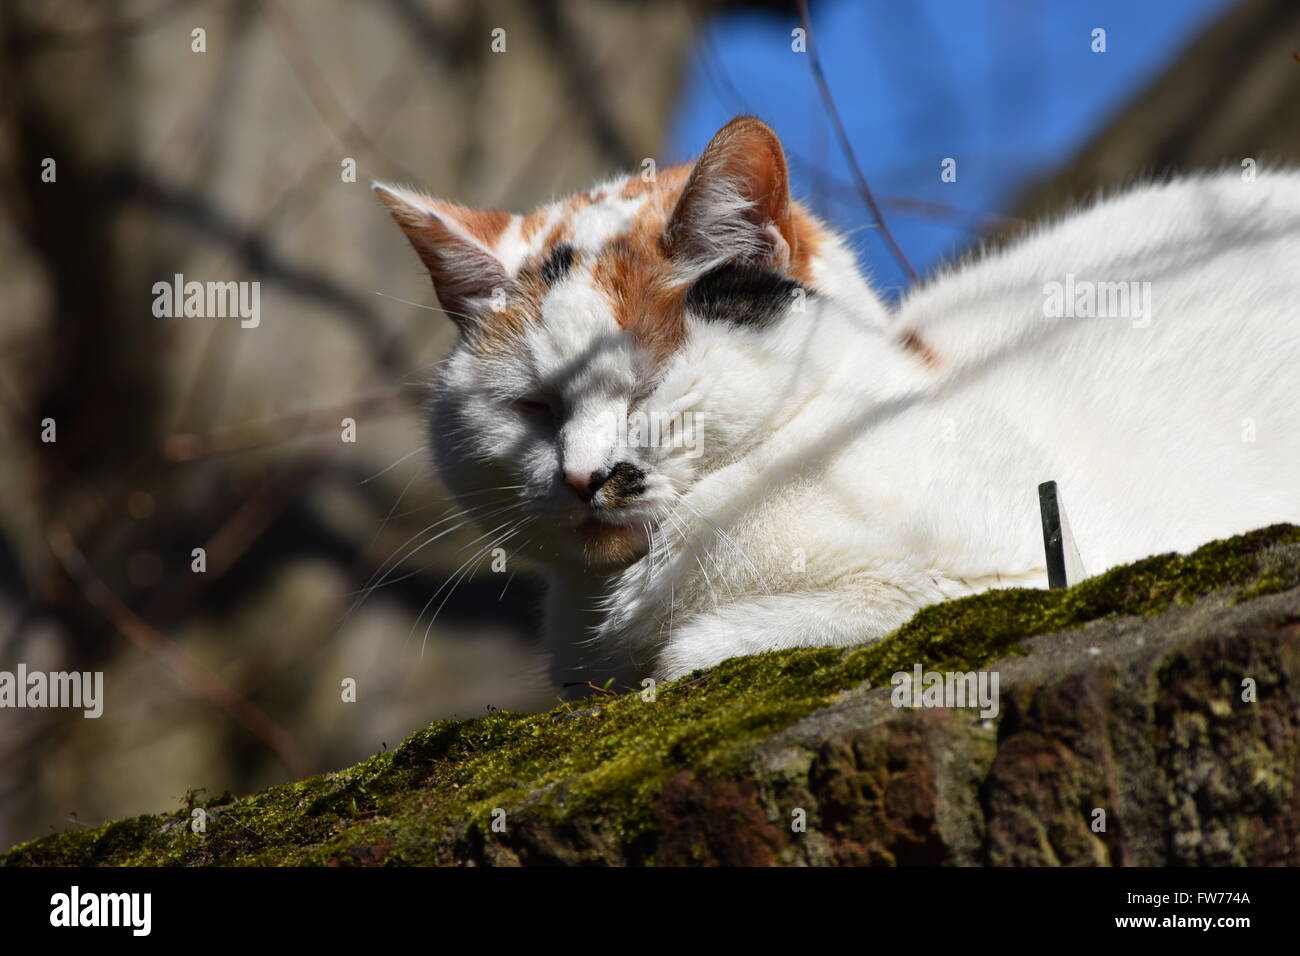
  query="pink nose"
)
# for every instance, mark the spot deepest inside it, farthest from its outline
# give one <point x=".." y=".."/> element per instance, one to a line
<point x="579" y="481"/>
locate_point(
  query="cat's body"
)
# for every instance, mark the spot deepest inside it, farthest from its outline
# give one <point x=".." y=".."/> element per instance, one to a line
<point x="858" y="463"/>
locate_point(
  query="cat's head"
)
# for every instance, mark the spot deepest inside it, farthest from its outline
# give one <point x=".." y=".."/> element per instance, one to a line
<point x="616" y="346"/>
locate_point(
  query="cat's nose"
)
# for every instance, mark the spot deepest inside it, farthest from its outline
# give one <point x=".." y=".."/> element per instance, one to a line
<point x="585" y="483"/>
<point x="625" y="480"/>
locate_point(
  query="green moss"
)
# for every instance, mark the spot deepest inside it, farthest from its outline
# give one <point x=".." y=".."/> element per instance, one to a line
<point x="1278" y="577"/>
<point x="607" y="758"/>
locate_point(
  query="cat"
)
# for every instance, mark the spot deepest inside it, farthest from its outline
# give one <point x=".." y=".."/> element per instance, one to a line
<point x="819" y="464"/>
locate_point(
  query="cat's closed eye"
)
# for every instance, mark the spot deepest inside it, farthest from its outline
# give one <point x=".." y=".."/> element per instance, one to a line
<point x="536" y="406"/>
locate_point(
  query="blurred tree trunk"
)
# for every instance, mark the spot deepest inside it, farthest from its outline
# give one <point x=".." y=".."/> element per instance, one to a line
<point x="94" y="372"/>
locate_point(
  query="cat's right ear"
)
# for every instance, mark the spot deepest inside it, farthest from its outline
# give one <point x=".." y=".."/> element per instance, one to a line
<point x="455" y="245"/>
<point x="736" y="205"/>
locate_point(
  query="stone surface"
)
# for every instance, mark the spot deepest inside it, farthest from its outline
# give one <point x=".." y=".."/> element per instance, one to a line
<point x="1164" y="695"/>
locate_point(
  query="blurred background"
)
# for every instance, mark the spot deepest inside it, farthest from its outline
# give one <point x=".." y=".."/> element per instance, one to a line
<point x="232" y="163"/>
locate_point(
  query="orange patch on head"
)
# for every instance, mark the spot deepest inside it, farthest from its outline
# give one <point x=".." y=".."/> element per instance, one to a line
<point x="637" y="279"/>
<point x="485" y="225"/>
<point x="634" y="188"/>
<point x="808" y="241"/>
<point x="668" y="182"/>
<point x="533" y="223"/>
<point x="589" y="198"/>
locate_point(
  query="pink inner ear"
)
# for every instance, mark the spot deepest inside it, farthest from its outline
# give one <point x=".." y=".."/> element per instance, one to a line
<point x="744" y="161"/>
<point x="454" y="244"/>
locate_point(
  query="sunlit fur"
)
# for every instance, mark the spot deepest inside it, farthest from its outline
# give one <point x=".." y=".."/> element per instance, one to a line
<point x="857" y="462"/>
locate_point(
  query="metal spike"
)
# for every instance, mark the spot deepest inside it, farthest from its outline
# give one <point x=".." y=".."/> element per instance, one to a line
<point x="1064" y="566"/>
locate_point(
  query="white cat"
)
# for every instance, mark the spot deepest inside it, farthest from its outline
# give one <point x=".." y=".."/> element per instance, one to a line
<point x="824" y="466"/>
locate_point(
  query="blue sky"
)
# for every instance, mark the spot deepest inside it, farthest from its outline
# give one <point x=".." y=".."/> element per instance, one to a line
<point x="1007" y="88"/>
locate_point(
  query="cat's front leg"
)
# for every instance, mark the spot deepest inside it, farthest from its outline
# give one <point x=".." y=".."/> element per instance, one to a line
<point x="777" y="622"/>
<point x="573" y="623"/>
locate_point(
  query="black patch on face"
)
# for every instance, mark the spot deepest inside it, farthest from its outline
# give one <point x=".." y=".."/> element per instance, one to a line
<point x="742" y="294"/>
<point x="626" y="478"/>
<point x="557" y="264"/>
<point x="620" y="484"/>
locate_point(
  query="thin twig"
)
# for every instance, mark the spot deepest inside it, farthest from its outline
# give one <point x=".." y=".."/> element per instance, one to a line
<point x="847" y="147"/>
<point x="185" y="669"/>
<point x="256" y="253"/>
<point x="115" y="30"/>
<point x="726" y="90"/>
<point x="272" y="431"/>
<point x="343" y="127"/>
<point x="240" y="530"/>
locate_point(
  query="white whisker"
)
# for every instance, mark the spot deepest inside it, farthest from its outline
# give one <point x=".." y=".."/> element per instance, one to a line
<point x="378" y="474"/>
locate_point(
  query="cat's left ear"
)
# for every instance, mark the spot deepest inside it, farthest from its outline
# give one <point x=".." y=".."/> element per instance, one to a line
<point x="455" y="244"/>
<point x="736" y="204"/>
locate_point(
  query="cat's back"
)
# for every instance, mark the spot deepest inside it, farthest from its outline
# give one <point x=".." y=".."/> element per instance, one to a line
<point x="1208" y="258"/>
<point x="1142" y="350"/>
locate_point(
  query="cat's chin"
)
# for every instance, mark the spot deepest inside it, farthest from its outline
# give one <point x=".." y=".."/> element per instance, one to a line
<point x="611" y="547"/>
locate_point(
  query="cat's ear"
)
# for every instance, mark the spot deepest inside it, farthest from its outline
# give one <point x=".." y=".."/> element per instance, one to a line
<point x="454" y="243"/>
<point x="736" y="204"/>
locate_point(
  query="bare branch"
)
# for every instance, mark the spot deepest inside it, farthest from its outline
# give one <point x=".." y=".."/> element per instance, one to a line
<point x="342" y="127"/>
<point x="188" y="672"/>
<point x="847" y="147"/>
<point x="187" y="447"/>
